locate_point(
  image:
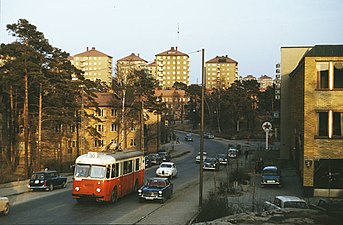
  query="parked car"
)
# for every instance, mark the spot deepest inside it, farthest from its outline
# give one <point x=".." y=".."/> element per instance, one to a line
<point x="280" y="202"/>
<point x="197" y="158"/>
<point x="166" y="169"/>
<point x="188" y="137"/>
<point x="271" y="175"/>
<point x="148" y="162"/>
<point x="222" y="158"/>
<point x="208" y="135"/>
<point x="156" y="188"/>
<point x="232" y="153"/>
<point x="165" y="156"/>
<point x="47" y="180"/>
<point x="4" y="206"/>
<point x="211" y="164"/>
<point x="155" y="159"/>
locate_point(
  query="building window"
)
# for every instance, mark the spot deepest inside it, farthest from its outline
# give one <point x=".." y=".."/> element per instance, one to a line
<point x="98" y="143"/>
<point x="132" y="142"/>
<point x="330" y="75"/>
<point x="114" y="127"/>
<point x="113" y="112"/>
<point x="329" y="124"/>
<point x="99" y="127"/>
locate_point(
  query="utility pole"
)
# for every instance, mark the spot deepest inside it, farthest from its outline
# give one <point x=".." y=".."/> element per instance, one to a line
<point x="26" y="123"/>
<point x="202" y="126"/>
<point x="39" y="144"/>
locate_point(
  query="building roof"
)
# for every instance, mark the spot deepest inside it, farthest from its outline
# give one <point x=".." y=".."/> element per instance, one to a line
<point x="91" y="53"/>
<point x="325" y="50"/>
<point x="152" y="63"/>
<point x="104" y="100"/>
<point x="172" y="52"/>
<point x="265" y="77"/>
<point x="170" y="93"/>
<point x="132" y="58"/>
<point x="221" y="59"/>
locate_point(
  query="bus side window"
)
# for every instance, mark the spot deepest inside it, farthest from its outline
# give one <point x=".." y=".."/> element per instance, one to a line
<point x="137" y="165"/>
<point x="117" y="170"/>
<point x="113" y="173"/>
<point x="125" y="167"/>
<point x="129" y="166"/>
<point x="108" y="171"/>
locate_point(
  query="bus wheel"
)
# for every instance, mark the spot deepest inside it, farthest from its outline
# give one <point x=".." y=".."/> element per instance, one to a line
<point x="114" y="196"/>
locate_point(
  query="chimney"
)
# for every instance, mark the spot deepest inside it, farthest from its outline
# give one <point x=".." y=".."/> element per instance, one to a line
<point x="176" y="48"/>
<point x="87" y="49"/>
<point x="93" y="48"/>
<point x="226" y="56"/>
<point x="172" y="48"/>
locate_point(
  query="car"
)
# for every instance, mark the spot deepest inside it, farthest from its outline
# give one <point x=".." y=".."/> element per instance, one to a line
<point x="156" y="188"/>
<point x="222" y="158"/>
<point x="46" y="180"/>
<point x="166" y="169"/>
<point x="271" y="175"/>
<point x="208" y="135"/>
<point x="232" y="153"/>
<point x="4" y="206"/>
<point x="211" y="164"/>
<point x="165" y="156"/>
<point x="197" y="158"/>
<point x="281" y="202"/>
<point x="188" y="137"/>
<point x="147" y="162"/>
<point x="154" y="158"/>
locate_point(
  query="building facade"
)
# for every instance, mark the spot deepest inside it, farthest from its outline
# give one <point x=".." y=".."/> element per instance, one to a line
<point x="265" y="82"/>
<point x="95" y="65"/>
<point x="221" y="72"/>
<point x="172" y="66"/>
<point x="130" y="63"/>
<point x="315" y="128"/>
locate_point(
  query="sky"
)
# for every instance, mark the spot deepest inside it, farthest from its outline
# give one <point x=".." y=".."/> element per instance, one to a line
<point x="249" y="31"/>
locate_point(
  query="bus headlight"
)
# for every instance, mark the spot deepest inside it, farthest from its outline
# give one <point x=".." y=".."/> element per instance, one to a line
<point x="77" y="188"/>
<point x="98" y="190"/>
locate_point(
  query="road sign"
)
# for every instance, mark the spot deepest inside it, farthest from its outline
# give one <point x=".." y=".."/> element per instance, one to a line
<point x="266" y="126"/>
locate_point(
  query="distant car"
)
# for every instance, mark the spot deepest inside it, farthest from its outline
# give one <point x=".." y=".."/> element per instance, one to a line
<point x="211" y="164"/>
<point x="188" y="137"/>
<point x="155" y="159"/>
<point x="4" y="206"/>
<point x="271" y="175"/>
<point x="47" y="180"/>
<point x="208" y="135"/>
<point x="165" y="156"/>
<point x="166" y="169"/>
<point x="232" y="153"/>
<point x="147" y="162"/>
<point x="280" y="202"/>
<point x="156" y="189"/>
<point x="197" y="158"/>
<point x="222" y="158"/>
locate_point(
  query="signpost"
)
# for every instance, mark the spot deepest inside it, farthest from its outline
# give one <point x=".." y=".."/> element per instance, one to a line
<point x="267" y="126"/>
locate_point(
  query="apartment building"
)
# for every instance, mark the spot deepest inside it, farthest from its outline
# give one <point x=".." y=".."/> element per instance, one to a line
<point x="130" y="63"/>
<point x="312" y="116"/>
<point x="95" y="65"/>
<point x="221" y="72"/>
<point x="265" y="82"/>
<point x="172" y="66"/>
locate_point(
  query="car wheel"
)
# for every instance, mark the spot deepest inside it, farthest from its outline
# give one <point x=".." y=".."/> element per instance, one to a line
<point x="114" y="196"/>
<point x="51" y="187"/>
<point x="6" y="209"/>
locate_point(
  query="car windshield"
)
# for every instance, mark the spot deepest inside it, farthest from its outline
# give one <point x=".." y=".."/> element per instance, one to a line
<point x="156" y="183"/>
<point x="37" y="176"/>
<point x="221" y="155"/>
<point x="269" y="173"/>
<point x="165" y="165"/>
<point x="299" y="205"/>
<point x="210" y="160"/>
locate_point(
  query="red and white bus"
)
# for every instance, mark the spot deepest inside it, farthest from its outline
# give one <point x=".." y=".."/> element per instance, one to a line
<point x="107" y="176"/>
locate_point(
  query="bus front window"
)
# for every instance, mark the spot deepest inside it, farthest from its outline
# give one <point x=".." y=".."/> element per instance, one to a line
<point x="82" y="170"/>
<point x="98" y="172"/>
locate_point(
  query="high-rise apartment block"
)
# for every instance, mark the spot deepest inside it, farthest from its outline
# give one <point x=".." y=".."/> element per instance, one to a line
<point x="265" y="82"/>
<point x="171" y="66"/>
<point x="95" y="65"/>
<point x="221" y="72"/>
<point x="130" y="63"/>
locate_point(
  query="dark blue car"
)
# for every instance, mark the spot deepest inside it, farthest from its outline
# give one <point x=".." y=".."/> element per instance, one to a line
<point x="271" y="175"/>
<point x="156" y="189"/>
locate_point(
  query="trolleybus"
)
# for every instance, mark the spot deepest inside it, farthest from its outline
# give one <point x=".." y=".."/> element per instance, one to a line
<point x="105" y="176"/>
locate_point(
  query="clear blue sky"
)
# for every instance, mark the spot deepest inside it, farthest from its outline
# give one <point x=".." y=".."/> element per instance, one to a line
<point x="248" y="31"/>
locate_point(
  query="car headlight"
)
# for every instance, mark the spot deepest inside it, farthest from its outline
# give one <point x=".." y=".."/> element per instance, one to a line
<point x="139" y="191"/>
<point x="98" y="190"/>
<point x="160" y="192"/>
<point x="77" y="188"/>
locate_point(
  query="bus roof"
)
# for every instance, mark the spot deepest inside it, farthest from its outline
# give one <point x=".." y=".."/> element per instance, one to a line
<point x="104" y="158"/>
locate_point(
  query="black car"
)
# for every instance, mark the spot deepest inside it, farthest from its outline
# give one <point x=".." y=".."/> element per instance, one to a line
<point x="46" y="180"/>
<point x="156" y="189"/>
<point x="165" y="156"/>
<point x="223" y="159"/>
<point x="271" y="175"/>
<point x="211" y="164"/>
<point x="154" y="159"/>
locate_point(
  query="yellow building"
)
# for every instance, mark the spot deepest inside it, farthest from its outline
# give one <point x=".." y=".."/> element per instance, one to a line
<point x="130" y="63"/>
<point x="221" y="72"/>
<point x="315" y="125"/>
<point x="152" y="69"/>
<point x="95" y="65"/>
<point x="172" y="66"/>
<point x="265" y="82"/>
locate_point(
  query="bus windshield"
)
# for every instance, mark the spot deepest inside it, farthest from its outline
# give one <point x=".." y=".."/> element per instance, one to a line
<point x="90" y="171"/>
